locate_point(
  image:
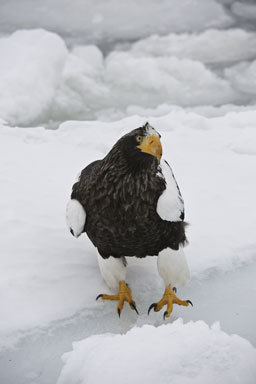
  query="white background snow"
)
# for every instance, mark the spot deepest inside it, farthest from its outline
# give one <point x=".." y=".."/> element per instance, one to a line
<point x="94" y="71"/>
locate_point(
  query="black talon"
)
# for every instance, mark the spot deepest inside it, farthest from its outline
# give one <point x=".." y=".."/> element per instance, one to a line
<point x="189" y="302"/>
<point x="174" y="289"/>
<point x="152" y="306"/>
<point x="119" y="311"/>
<point x="100" y="295"/>
<point x="134" y="307"/>
<point x="166" y="313"/>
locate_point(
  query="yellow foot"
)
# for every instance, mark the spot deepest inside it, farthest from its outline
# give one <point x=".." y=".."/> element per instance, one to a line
<point x="124" y="294"/>
<point x="169" y="298"/>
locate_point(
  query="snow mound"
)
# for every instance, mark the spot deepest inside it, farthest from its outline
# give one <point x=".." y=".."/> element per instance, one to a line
<point x="30" y="71"/>
<point x="175" y="353"/>
<point x="156" y="80"/>
<point x="155" y="74"/>
<point x="106" y="89"/>
<point x="41" y="81"/>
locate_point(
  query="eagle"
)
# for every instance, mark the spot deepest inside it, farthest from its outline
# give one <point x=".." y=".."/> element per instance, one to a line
<point x="129" y="205"/>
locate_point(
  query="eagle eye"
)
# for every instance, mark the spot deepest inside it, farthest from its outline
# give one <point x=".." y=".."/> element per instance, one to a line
<point x="139" y="138"/>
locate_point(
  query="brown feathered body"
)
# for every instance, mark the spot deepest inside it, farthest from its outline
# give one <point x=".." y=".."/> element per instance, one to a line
<point x="120" y="195"/>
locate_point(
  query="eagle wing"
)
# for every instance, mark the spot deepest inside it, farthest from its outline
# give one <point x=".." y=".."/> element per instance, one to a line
<point x="170" y="205"/>
<point x="76" y="211"/>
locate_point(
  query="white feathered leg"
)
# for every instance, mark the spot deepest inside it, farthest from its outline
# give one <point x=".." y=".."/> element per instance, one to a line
<point x="173" y="268"/>
<point x="113" y="271"/>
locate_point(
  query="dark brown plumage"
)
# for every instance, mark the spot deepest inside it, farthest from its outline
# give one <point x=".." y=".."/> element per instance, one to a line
<point x="119" y="194"/>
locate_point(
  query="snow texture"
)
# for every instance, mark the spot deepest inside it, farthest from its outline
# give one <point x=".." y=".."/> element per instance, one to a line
<point x="42" y="81"/>
<point x="30" y="71"/>
<point x="176" y="353"/>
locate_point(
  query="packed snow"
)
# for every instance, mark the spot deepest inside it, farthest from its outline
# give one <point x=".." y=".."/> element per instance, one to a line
<point x="175" y="353"/>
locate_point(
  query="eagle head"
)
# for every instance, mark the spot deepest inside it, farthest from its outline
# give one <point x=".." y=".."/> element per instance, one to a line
<point x="141" y="146"/>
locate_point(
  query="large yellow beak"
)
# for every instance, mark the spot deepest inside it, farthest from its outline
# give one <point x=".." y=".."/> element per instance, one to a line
<point x="152" y="145"/>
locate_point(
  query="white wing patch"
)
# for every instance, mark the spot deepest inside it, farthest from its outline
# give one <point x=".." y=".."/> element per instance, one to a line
<point x="75" y="216"/>
<point x="170" y="204"/>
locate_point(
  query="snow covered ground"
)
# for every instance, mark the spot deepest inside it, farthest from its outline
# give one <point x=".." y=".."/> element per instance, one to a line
<point x="49" y="280"/>
<point x="189" y="68"/>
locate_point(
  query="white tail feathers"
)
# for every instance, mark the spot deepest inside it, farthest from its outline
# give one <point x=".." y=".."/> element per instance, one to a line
<point x="75" y="216"/>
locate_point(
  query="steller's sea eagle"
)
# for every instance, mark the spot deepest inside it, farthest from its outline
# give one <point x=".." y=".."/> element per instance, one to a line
<point x="130" y="205"/>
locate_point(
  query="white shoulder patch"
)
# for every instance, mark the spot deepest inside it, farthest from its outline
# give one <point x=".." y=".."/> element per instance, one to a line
<point x="75" y="216"/>
<point x="170" y="204"/>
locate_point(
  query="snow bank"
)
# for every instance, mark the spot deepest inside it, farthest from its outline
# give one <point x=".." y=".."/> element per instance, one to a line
<point x="82" y="90"/>
<point x="156" y="80"/>
<point x="176" y="353"/>
<point x="172" y="70"/>
<point x="40" y="81"/>
<point x="30" y="71"/>
<point x="123" y="79"/>
<point x="165" y="109"/>
<point x="48" y="275"/>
